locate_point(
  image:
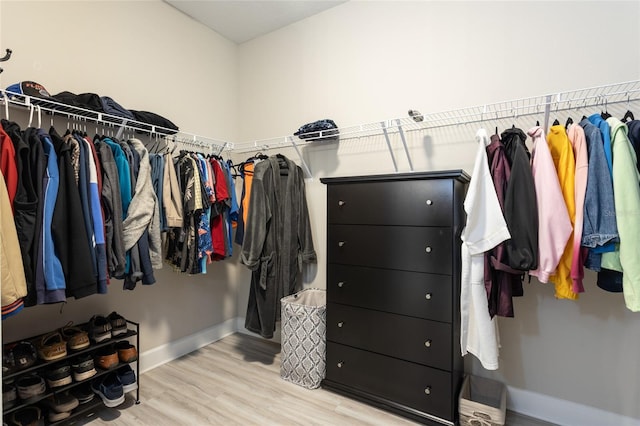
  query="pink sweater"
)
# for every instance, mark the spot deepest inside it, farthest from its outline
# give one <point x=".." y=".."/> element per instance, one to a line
<point x="554" y="225"/>
<point x="577" y="138"/>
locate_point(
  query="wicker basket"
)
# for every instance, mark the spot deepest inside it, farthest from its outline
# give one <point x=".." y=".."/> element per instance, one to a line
<point x="483" y="402"/>
<point x="304" y="329"/>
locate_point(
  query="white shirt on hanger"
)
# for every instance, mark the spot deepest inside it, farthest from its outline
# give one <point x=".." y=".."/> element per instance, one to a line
<point x="485" y="228"/>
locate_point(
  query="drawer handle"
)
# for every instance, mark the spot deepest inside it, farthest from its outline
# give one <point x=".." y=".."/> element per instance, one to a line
<point x="429" y="202"/>
<point x="428" y="296"/>
<point x="428" y="249"/>
<point x="341" y="284"/>
<point x="340" y="364"/>
<point x="427" y="343"/>
<point x="341" y="203"/>
<point x="427" y="390"/>
<point x="341" y="243"/>
<point x="340" y="324"/>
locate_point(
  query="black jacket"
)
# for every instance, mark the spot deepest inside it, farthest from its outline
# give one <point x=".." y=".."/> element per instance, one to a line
<point x="520" y="210"/>
<point x="68" y="227"/>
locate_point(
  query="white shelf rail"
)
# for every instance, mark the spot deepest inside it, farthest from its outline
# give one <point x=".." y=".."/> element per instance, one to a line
<point x="544" y="105"/>
<point x="105" y="120"/>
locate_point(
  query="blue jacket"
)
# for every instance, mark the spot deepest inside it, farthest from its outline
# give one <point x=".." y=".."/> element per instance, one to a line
<point x="53" y="273"/>
<point x="605" y="131"/>
<point x="600" y="229"/>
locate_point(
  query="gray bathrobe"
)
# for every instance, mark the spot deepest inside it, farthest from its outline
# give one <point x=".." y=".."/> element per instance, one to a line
<point x="277" y="240"/>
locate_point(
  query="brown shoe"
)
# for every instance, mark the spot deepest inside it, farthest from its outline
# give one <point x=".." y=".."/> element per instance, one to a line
<point x="75" y="337"/>
<point x="126" y="351"/>
<point x="52" y="346"/>
<point x="107" y="358"/>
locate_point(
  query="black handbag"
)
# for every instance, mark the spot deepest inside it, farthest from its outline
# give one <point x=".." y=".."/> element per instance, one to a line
<point x="312" y="131"/>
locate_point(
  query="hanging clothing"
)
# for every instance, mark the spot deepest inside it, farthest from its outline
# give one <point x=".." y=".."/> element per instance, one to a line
<point x="71" y="245"/>
<point x="13" y="284"/>
<point x="277" y="240"/>
<point x="626" y="181"/>
<point x="112" y="208"/>
<point x="52" y="290"/>
<point x="605" y="131"/>
<point x="484" y="229"/>
<point x="562" y="154"/>
<point x="579" y="144"/>
<point x="520" y="210"/>
<point x="554" y="228"/>
<point x="599" y="228"/>
<point x="499" y="278"/>
<point x="171" y="193"/>
<point x="142" y="213"/>
<point x="246" y="171"/>
<point x="8" y="166"/>
<point x="25" y="204"/>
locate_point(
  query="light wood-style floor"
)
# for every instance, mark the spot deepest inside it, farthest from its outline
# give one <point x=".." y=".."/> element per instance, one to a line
<point x="236" y="381"/>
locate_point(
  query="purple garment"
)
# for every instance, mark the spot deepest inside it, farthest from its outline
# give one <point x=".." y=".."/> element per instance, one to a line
<point x="499" y="279"/>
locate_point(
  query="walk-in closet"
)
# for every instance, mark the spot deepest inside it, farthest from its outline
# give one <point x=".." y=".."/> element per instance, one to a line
<point x="166" y="211"/>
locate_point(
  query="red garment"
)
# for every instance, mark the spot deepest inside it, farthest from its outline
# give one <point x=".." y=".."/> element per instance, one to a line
<point x="500" y="281"/>
<point x="8" y="165"/>
<point x="217" y="222"/>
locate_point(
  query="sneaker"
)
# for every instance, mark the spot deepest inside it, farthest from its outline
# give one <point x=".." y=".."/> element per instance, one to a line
<point x="9" y="396"/>
<point x="83" y="393"/>
<point x="61" y="402"/>
<point x="99" y="328"/>
<point x="126" y="351"/>
<point x="83" y="368"/>
<point x="56" y="417"/>
<point x="75" y="337"/>
<point x="18" y="356"/>
<point x="59" y="375"/>
<point x="52" y="347"/>
<point x="107" y="357"/>
<point x="118" y="324"/>
<point x="30" y="415"/>
<point x="109" y="389"/>
<point x="127" y="378"/>
<point x="30" y="385"/>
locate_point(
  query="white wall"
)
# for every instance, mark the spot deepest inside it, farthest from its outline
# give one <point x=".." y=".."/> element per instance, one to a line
<point x="359" y="62"/>
<point x="147" y="56"/>
<point x="366" y="61"/>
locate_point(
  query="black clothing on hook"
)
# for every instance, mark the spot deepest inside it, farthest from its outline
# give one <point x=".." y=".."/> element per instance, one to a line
<point x="520" y="211"/>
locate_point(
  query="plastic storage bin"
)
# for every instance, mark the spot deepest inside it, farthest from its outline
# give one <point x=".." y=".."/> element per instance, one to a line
<point x="304" y="329"/>
<point x="483" y="402"/>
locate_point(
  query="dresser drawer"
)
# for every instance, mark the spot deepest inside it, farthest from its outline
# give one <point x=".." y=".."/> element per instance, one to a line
<point x="416" y="294"/>
<point x="402" y="202"/>
<point x="407" y="248"/>
<point x="413" y="339"/>
<point x="422" y="388"/>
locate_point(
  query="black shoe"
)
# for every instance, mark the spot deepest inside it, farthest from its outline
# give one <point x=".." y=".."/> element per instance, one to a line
<point x="83" y="393"/>
<point x="83" y="368"/>
<point x="99" y="328"/>
<point x="59" y="375"/>
<point x="118" y="324"/>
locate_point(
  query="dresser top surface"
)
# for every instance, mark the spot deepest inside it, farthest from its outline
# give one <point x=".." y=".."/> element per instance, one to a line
<point x="458" y="174"/>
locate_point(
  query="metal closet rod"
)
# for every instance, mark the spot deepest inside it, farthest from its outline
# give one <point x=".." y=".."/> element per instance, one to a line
<point x="105" y="120"/>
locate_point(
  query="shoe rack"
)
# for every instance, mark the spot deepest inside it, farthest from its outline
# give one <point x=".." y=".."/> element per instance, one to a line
<point x="40" y="367"/>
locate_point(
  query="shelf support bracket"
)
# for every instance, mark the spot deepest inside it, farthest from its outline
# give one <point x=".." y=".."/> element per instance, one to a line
<point x="547" y="112"/>
<point x="302" y="162"/>
<point x="404" y="143"/>
<point x="386" y="136"/>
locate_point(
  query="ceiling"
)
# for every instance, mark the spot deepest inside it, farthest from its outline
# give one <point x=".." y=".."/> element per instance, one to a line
<point x="241" y="21"/>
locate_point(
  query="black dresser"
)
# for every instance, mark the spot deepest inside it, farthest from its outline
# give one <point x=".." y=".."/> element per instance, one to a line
<point x="393" y="291"/>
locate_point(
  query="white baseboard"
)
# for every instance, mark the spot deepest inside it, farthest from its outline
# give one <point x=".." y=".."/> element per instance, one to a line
<point x="562" y="412"/>
<point x="168" y="352"/>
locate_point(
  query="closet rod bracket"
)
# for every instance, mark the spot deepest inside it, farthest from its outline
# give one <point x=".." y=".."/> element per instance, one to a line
<point x="383" y="125"/>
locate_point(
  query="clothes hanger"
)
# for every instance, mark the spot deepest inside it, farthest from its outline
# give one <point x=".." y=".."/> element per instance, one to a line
<point x="568" y="122"/>
<point x="627" y="116"/>
<point x="556" y="122"/>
